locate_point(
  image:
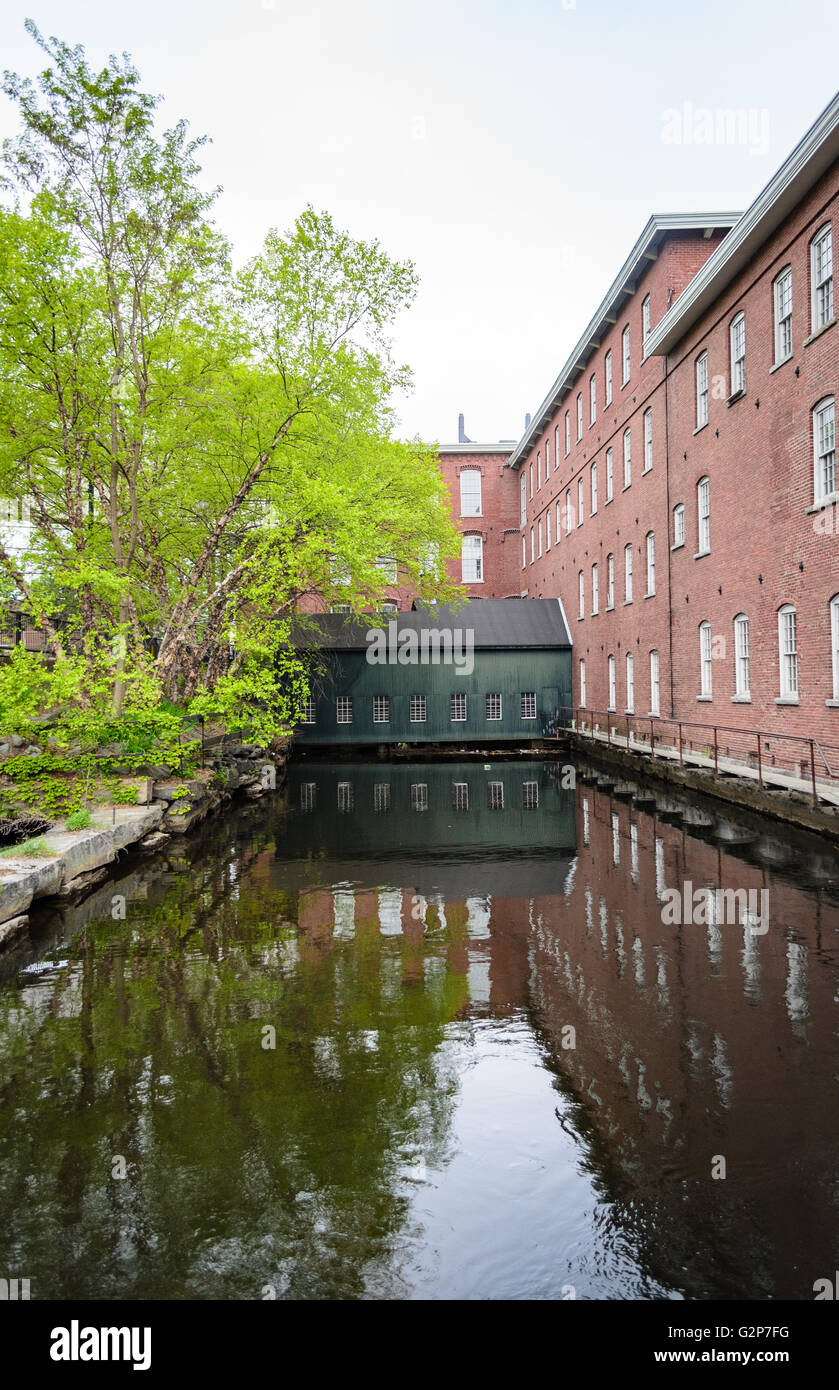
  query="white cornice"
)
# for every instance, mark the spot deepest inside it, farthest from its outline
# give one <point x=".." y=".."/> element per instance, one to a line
<point x="813" y="154"/>
<point x="499" y="447"/>
<point x="623" y="285"/>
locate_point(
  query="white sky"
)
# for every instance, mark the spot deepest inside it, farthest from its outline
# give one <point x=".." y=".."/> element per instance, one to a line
<point x="512" y="151"/>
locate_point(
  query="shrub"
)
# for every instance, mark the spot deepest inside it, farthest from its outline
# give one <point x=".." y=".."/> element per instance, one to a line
<point x="80" y="820"/>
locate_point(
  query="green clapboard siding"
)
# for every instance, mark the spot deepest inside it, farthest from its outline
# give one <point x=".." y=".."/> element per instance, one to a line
<point x="546" y="672"/>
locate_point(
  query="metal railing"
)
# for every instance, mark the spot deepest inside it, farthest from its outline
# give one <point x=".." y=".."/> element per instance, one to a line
<point x="759" y="749"/>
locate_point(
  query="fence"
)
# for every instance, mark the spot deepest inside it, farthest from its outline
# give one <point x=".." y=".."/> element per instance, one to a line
<point x="759" y="749"/>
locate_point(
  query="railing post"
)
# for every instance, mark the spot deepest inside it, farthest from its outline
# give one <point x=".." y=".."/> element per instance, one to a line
<point x="716" y="753"/>
<point x="813" y="773"/>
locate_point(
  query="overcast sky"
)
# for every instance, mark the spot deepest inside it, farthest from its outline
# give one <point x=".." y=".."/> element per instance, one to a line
<point x="512" y="151"/>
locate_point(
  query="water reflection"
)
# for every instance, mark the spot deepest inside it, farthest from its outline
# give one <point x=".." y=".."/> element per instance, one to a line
<point x="422" y="1031"/>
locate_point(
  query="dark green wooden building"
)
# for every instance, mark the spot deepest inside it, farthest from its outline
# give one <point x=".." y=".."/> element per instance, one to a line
<point x="493" y="671"/>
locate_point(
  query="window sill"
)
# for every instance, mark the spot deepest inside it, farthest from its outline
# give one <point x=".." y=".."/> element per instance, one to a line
<point x="832" y="704"/>
<point x="610" y="709"/>
<point x="610" y="608"/>
<point x="741" y="699"/>
<point x="705" y="699"/>
<point x="787" y="700"/>
<point x="651" y="594"/>
<point x="818" y="333"/>
<point x="777" y="365"/>
<point x="678" y="545"/>
<point x="829" y="500"/>
<point x="653" y="714"/>
<point x="736" y="396"/>
<point x="646" y="470"/>
<point x="629" y="711"/>
<point x="627" y="602"/>
<point x="626" y="487"/>
<point x="581" y="617"/>
<point x="700" y="428"/>
<point x="700" y="553"/>
<point x="608" y="500"/>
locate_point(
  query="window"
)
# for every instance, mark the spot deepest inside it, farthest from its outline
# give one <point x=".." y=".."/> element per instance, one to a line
<point x="538" y="471"/>
<point x="567" y="433"/>
<point x="627" y="573"/>
<point x="611" y="682"/>
<point x="495" y="796"/>
<point x="381" y="797"/>
<point x="548" y="529"/>
<point x="627" y="457"/>
<point x="308" y="796"/>
<point x="547" y="459"/>
<point x="532" y="544"/>
<point x="607" y="367"/>
<point x="783" y="315"/>
<point x="345" y="796"/>
<point x="523" y="551"/>
<point x="788" y="652"/>
<point x="389" y="608"/>
<point x="344" y="709"/>
<point x="470" y="492"/>
<point x="308" y="711"/>
<point x="528" y="704"/>
<point x="595" y="598"/>
<point x="460" y="796"/>
<point x="418" y="709"/>
<point x="580" y="505"/>
<point x="493" y="706"/>
<point x="834" y="643"/>
<point x="592" y="399"/>
<point x="531" y="482"/>
<point x="593" y="488"/>
<point x="705" y="684"/>
<point x="556" y="447"/>
<point x="701" y="390"/>
<point x="581" y="582"/>
<point x="610" y="581"/>
<point x="381" y="709"/>
<point x="558" y="523"/>
<point x="530" y="796"/>
<point x="646" y="323"/>
<point x="471" y="559"/>
<point x="457" y="708"/>
<point x="821" y="277"/>
<point x="582" y="681"/>
<point x="610" y="476"/>
<point x="737" y="343"/>
<point x="679" y="524"/>
<point x="523" y="499"/>
<point x="703" y="507"/>
<point x="569" y="512"/>
<point x="419" y="796"/>
<point x="539" y="529"/>
<point x="650" y="563"/>
<point x="387" y="565"/>
<point x="579" y="415"/>
<point x="630" y="683"/>
<point x="625" y="354"/>
<point x="824" y="447"/>
<point x="648" y="440"/>
<point x="742" y="676"/>
<point x="655" y="692"/>
<point x="340" y="608"/>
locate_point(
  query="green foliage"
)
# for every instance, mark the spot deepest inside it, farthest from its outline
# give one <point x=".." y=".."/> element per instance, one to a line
<point x="80" y="820"/>
<point x="124" y="796"/>
<point x="30" y="849"/>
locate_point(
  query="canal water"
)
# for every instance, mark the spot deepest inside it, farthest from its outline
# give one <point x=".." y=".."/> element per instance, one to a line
<point x="423" y="1031"/>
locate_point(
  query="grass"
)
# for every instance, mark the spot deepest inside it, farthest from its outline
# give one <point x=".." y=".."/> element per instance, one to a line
<point x="80" y="820"/>
<point x="30" y="849"/>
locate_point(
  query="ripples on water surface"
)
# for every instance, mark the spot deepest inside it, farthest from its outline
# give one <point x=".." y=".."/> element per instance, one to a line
<point x="422" y="940"/>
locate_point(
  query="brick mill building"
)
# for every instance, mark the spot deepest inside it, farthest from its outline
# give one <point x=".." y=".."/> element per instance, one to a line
<point x="677" y="489"/>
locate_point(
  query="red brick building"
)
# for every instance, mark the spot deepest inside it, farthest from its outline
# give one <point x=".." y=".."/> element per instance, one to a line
<point x="677" y="486"/>
<point x="483" y="492"/>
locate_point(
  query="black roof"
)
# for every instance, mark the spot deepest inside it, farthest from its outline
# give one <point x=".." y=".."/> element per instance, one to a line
<point x="495" y="623"/>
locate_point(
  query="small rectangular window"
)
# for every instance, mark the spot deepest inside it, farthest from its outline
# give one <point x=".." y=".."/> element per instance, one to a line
<point x="419" y="796"/>
<point x="381" y="797"/>
<point x="418" y="709"/>
<point x="495" y="796"/>
<point x="345" y="796"/>
<point x="460" y="796"/>
<point x="344" y="709"/>
<point x="493" y="706"/>
<point x="530" y="796"/>
<point x="381" y="709"/>
<point x="528" y="704"/>
<point x="457" y="708"/>
<point x="308" y="711"/>
<point x="308" y="796"/>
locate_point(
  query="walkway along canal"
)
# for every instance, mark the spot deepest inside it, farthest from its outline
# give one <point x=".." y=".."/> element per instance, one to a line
<point x="422" y="1030"/>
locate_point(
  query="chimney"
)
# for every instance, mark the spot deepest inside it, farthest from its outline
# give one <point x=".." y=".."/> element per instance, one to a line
<point x="462" y="436"/>
<point x="527" y="422"/>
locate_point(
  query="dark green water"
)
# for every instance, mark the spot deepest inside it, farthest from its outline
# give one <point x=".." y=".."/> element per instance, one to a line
<point x="329" y="1048"/>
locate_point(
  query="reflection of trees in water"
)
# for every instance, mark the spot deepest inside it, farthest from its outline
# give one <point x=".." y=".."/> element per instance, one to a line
<point x="247" y="1166"/>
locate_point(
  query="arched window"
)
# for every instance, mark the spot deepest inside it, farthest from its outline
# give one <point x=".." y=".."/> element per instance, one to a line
<point x="523" y="498"/>
<point x="630" y="683"/>
<point x="782" y="305"/>
<point x="627" y="457"/>
<point x="627" y="573"/>
<point x="679" y="524"/>
<point x="612" y="691"/>
<point x="579" y="414"/>
<point x="824" y="449"/>
<point x="650" y="563"/>
<point x="472" y="560"/>
<point x="470" y="492"/>
<point x="646" y="323"/>
<point x="703" y="513"/>
<point x="737" y="344"/>
<point x="834" y="643"/>
<point x="592" y="399"/>
<point x="648" y="440"/>
<point x="582" y="681"/>
<point x="705" y="679"/>
<point x="788" y="652"/>
<point x="742" y="669"/>
<point x="610" y="581"/>
<point x="701" y="390"/>
<point x="581" y="581"/>
<point x="595" y="596"/>
<point x="593" y="488"/>
<point x="655" y="694"/>
<point x="610" y="475"/>
<point x="607" y="371"/>
<point x="625" y="355"/>
<point x="821" y="277"/>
